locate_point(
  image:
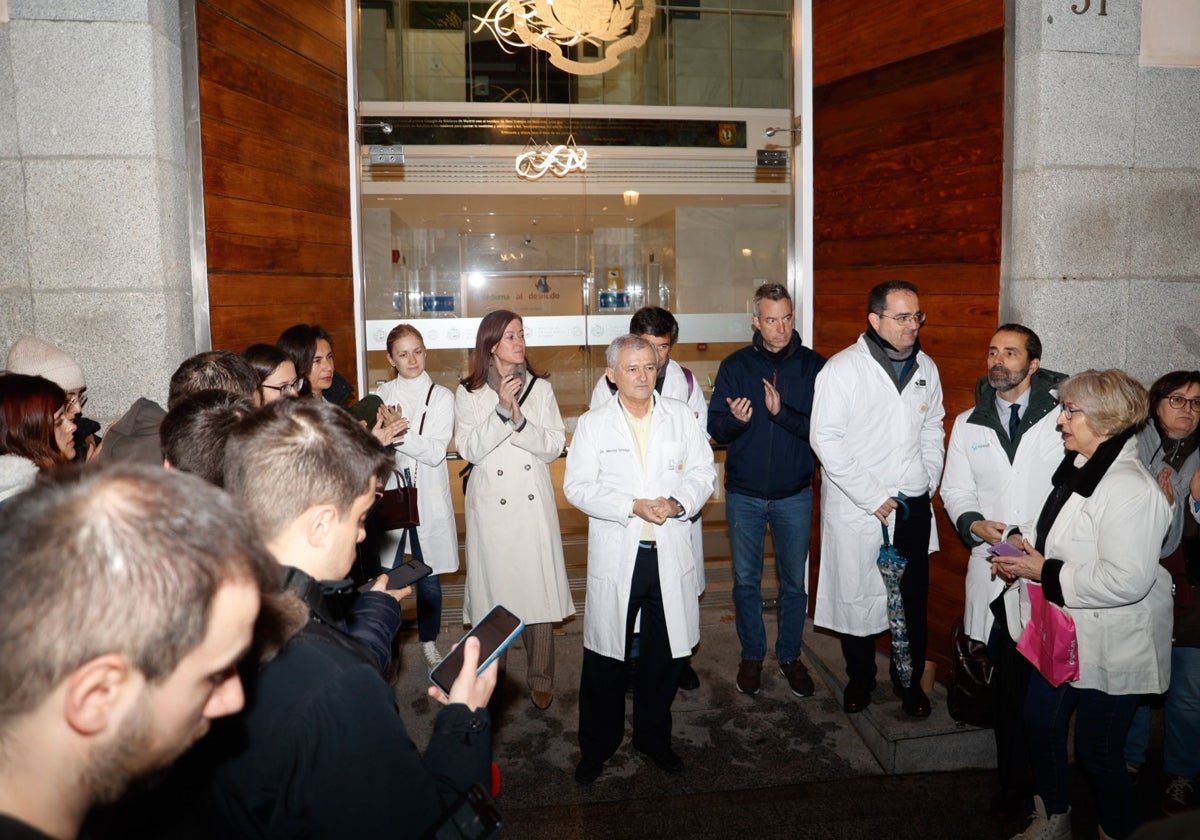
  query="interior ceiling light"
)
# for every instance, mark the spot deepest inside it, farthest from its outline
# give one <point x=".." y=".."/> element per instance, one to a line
<point x="554" y="26"/>
<point x="561" y="160"/>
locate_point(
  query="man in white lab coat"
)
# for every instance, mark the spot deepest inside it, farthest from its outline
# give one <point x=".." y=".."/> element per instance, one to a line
<point x="659" y="327"/>
<point x="877" y="429"/>
<point x="1001" y="457"/>
<point x="639" y="467"/>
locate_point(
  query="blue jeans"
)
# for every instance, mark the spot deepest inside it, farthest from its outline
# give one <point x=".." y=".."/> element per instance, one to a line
<point x="1181" y="718"/>
<point x="429" y="608"/>
<point x="790" y="520"/>
<point x="1100" y="730"/>
<point x="1181" y="743"/>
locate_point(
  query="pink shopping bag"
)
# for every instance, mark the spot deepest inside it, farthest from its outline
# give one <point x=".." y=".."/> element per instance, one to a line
<point x="1049" y="639"/>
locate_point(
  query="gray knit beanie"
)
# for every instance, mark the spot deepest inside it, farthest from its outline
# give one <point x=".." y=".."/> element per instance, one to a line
<point x="34" y="357"/>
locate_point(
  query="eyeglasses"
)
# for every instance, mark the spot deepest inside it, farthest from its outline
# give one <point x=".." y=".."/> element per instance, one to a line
<point x="1070" y="412"/>
<point x="907" y="318"/>
<point x="76" y="401"/>
<point x="287" y="388"/>
<point x="1180" y="401"/>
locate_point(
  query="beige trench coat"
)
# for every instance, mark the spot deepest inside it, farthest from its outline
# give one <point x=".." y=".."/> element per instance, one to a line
<point x="514" y="547"/>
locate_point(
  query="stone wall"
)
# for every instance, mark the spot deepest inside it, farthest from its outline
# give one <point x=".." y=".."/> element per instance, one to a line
<point x="94" y="248"/>
<point x="1103" y="254"/>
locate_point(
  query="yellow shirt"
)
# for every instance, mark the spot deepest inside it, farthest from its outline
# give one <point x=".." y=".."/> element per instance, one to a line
<point x="640" y="429"/>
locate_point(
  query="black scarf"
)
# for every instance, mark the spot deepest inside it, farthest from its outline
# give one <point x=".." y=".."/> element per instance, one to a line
<point x="908" y="357"/>
<point x="1069" y="479"/>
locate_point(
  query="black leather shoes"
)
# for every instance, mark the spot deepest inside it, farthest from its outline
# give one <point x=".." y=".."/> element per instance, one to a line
<point x="664" y="759"/>
<point x="689" y="680"/>
<point x="856" y="697"/>
<point x="588" y="770"/>
<point x="915" y="703"/>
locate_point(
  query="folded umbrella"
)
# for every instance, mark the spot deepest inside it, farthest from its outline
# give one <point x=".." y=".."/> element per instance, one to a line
<point x="891" y="566"/>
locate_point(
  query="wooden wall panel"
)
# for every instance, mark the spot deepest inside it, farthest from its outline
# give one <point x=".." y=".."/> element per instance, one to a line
<point x="908" y="154"/>
<point x="276" y="170"/>
<point x="852" y="37"/>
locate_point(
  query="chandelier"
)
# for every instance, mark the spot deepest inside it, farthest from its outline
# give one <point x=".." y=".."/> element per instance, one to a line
<point x="538" y="159"/>
<point x="555" y="26"/>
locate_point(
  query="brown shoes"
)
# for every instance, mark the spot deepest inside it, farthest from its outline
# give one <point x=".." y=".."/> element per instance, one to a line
<point x="749" y="676"/>
<point x="542" y="699"/>
<point x="798" y="679"/>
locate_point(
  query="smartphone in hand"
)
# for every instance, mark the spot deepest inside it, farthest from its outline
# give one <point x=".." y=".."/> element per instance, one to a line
<point x="496" y="632"/>
<point x="1005" y="549"/>
<point x="401" y="576"/>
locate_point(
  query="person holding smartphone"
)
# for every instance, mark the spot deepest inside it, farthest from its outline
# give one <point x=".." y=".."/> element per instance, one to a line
<point x="420" y="456"/>
<point x="321" y="750"/>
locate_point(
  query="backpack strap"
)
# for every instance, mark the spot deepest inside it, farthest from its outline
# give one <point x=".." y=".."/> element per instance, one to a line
<point x="691" y="380"/>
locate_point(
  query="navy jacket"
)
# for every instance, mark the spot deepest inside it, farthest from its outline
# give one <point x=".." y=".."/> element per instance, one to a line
<point x="321" y="751"/>
<point x="769" y="457"/>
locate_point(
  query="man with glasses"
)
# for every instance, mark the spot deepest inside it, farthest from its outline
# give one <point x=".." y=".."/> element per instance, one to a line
<point x="877" y="429"/>
<point x="1001" y="457"/>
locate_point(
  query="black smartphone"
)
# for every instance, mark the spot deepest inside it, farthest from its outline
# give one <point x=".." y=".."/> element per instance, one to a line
<point x="401" y="576"/>
<point x="496" y="632"/>
<point x="472" y="817"/>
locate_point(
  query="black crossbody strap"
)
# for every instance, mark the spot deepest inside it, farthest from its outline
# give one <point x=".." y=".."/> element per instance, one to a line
<point x="421" y="428"/>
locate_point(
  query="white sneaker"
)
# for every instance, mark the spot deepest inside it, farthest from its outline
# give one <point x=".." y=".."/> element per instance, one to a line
<point x="430" y="652"/>
<point x="1046" y="827"/>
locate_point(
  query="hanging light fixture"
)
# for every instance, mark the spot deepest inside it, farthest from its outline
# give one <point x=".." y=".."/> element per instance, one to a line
<point x="538" y="159"/>
<point x="554" y="26"/>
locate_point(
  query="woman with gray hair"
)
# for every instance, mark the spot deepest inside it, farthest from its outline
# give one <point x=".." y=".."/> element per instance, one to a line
<point x="1094" y="550"/>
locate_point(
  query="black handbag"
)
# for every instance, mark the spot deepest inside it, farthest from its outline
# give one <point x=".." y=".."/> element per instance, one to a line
<point x="969" y="694"/>
<point x="398" y="506"/>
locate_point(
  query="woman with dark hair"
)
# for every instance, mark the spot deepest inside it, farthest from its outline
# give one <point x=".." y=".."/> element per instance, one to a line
<point x="35" y="431"/>
<point x="1169" y="446"/>
<point x="276" y="372"/>
<point x="1094" y="551"/>
<point x="311" y="350"/>
<point x="508" y="426"/>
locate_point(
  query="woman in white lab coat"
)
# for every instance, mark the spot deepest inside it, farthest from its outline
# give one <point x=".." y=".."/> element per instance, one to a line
<point x="509" y="428"/>
<point x="1094" y="550"/>
<point x="421" y="456"/>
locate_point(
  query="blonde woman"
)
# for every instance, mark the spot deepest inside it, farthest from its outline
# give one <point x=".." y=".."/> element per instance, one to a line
<point x="420" y="454"/>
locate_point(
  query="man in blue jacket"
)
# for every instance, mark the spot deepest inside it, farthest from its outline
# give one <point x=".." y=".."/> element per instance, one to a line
<point x="760" y="407"/>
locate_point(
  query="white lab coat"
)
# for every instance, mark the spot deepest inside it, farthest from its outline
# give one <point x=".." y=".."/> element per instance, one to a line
<point x="873" y="442"/>
<point x="675" y="386"/>
<point x="604" y="475"/>
<point x="979" y="478"/>
<point x="423" y="453"/>
<point x="514" y="546"/>
<point x="1112" y="584"/>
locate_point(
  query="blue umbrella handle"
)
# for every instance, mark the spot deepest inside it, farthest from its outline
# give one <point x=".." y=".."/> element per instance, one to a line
<point x="901" y="500"/>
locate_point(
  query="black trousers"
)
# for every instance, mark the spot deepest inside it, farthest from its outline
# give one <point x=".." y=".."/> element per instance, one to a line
<point x="1010" y="681"/>
<point x="602" y="681"/>
<point x="911" y="539"/>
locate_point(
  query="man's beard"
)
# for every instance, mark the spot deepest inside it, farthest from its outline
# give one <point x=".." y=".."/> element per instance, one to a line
<point x="129" y="756"/>
<point x="1002" y="379"/>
